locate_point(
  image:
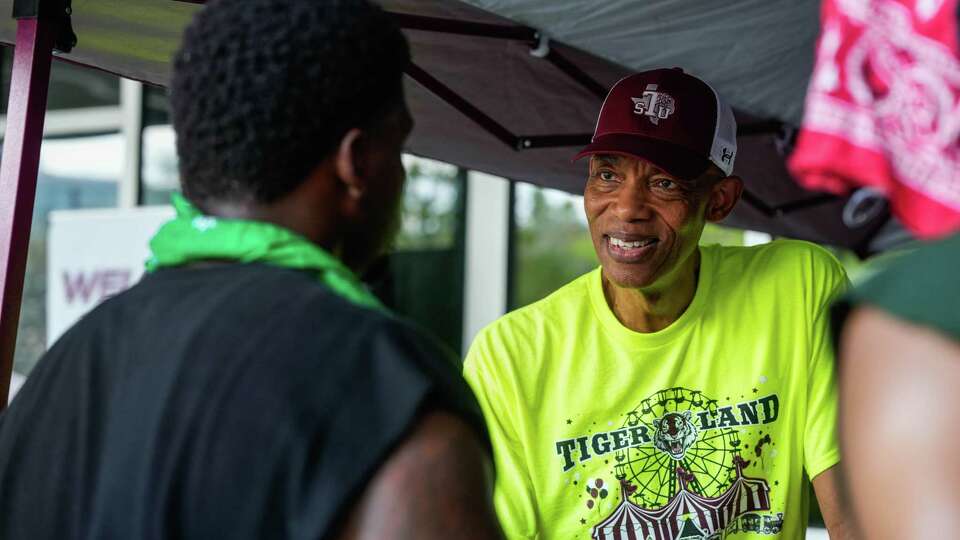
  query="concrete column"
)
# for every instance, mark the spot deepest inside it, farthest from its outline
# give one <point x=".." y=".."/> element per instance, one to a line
<point x="131" y="111"/>
<point x="487" y="251"/>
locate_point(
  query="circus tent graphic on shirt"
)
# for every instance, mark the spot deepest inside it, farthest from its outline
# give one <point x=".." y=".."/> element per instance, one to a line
<point x="687" y="514"/>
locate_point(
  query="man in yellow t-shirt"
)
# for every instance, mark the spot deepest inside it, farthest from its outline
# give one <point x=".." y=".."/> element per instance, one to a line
<point x="678" y="391"/>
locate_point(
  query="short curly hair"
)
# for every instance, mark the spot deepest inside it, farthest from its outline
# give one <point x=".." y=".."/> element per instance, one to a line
<point x="263" y="90"/>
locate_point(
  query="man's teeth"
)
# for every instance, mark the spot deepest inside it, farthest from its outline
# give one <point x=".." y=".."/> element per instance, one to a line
<point x="630" y="245"/>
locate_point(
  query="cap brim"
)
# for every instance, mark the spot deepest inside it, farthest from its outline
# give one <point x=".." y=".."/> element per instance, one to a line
<point x="673" y="159"/>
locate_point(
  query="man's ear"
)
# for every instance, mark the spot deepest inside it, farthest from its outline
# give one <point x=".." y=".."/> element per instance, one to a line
<point x="723" y="197"/>
<point x="349" y="164"/>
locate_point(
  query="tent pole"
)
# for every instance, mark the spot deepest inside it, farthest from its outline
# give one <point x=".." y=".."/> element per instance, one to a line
<point x="30" y="80"/>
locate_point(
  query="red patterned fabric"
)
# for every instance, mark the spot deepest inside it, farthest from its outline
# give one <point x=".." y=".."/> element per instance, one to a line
<point x="883" y="108"/>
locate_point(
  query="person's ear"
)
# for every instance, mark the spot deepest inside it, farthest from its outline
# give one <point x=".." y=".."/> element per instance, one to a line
<point x="723" y="197"/>
<point x="349" y="164"/>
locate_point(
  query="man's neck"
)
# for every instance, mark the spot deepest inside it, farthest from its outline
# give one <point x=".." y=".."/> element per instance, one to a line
<point x="652" y="310"/>
<point x="295" y="212"/>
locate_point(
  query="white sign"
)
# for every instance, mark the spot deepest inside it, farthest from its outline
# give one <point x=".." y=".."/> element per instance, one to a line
<point x="16" y="381"/>
<point x="92" y="255"/>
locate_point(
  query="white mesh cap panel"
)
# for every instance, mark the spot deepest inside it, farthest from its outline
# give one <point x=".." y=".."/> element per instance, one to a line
<point x="723" y="152"/>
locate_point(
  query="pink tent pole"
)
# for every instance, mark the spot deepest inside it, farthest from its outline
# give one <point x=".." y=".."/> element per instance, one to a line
<point x="18" y="173"/>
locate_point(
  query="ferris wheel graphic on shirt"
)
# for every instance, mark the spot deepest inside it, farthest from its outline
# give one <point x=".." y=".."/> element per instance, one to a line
<point x="679" y="440"/>
<point x="688" y="481"/>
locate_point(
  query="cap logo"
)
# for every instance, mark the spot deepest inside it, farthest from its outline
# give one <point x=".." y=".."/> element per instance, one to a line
<point x="727" y="156"/>
<point x="654" y="105"/>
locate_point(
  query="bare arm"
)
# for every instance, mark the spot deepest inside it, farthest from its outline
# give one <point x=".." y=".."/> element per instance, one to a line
<point x="899" y="428"/>
<point x="437" y="484"/>
<point x="826" y="486"/>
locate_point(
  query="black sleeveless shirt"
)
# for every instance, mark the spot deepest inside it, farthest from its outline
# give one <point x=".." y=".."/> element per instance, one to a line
<point x="233" y="401"/>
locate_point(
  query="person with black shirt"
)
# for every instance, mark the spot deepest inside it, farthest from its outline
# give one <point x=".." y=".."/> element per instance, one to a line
<point x="250" y="386"/>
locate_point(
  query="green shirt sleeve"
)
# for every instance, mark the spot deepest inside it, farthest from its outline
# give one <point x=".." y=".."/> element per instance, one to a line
<point x="922" y="288"/>
<point x="513" y="492"/>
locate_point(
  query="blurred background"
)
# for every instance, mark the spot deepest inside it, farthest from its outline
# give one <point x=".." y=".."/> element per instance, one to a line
<point x="471" y="247"/>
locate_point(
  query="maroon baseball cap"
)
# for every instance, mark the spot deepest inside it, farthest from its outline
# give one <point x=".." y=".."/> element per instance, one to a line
<point x="669" y="118"/>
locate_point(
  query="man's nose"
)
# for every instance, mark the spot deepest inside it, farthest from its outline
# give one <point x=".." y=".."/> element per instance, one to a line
<point x="632" y="203"/>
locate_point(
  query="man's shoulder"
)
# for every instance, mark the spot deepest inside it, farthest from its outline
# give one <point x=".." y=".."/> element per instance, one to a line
<point x="782" y="249"/>
<point x="781" y="257"/>
<point x="807" y="274"/>
<point x="804" y="251"/>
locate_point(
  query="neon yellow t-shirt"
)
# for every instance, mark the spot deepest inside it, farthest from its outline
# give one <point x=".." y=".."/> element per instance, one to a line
<point x="701" y="430"/>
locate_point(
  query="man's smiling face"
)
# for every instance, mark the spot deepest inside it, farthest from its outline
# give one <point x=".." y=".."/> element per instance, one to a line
<point x="643" y="221"/>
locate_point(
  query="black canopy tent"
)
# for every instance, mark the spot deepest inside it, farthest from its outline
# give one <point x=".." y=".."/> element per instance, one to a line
<point x="488" y="93"/>
<point x="498" y="96"/>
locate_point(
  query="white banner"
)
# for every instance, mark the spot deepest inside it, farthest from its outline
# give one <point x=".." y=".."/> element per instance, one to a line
<point x="92" y="255"/>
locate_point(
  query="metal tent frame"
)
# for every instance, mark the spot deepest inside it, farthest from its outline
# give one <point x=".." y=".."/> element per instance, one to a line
<point x="41" y="27"/>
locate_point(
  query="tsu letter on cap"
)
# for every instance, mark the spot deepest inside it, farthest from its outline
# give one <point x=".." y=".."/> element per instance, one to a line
<point x="669" y="118"/>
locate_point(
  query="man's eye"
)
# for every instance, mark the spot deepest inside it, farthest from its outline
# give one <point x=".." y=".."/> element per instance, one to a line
<point x="665" y="183"/>
<point x="607" y="176"/>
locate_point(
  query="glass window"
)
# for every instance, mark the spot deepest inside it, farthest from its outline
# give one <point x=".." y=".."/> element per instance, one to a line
<point x="431" y="201"/>
<point x="75" y="172"/>
<point x="550" y="243"/>
<point x="160" y="176"/>
<point x="423" y="276"/>
<point x="71" y="86"/>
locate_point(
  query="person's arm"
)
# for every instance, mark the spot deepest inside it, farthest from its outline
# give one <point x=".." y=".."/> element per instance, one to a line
<point x="437" y="484"/>
<point x="900" y="397"/>
<point x="821" y="438"/>
<point x="486" y="370"/>
<point x="826" y="487"/>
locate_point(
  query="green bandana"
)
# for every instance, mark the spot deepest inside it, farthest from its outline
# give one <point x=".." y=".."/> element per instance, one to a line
<point x="193" y="237"/>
